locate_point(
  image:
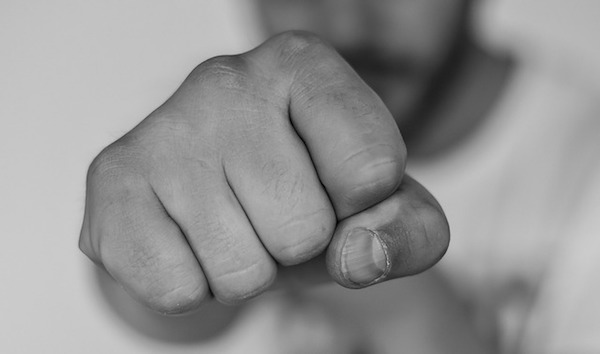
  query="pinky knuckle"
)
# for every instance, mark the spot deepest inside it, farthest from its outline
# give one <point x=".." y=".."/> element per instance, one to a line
<point x="86" y="248"/>
<point x="115" y="165"/>
<point x="166" y="288"/>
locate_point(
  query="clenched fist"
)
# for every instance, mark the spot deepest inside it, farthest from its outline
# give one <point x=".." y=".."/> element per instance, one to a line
<point x="259" y="160"/>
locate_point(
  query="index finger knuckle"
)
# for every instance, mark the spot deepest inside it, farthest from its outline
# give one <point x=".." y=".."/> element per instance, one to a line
<point x="222" y="72"/>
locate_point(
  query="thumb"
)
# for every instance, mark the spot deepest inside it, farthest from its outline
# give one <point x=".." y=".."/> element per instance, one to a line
<point x="402" y="235"/>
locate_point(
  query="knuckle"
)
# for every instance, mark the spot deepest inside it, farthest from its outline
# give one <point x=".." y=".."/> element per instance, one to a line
<point x="294" y="44"/>
<point x="118" y="167"/>
<point x="112" y="181"/>
<point x="158" y="280"/>
<point x="108" y="163"/>
<point x="86" y="248"/>
<point x="237" y="286"/>
<point x="226" y="72"/>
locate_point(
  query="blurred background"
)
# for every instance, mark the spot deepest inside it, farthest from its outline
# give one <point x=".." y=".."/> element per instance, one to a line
<point x="76" y="75"/>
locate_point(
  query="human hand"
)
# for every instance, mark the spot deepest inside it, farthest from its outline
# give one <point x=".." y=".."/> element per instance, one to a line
<point x="259" y="160"/>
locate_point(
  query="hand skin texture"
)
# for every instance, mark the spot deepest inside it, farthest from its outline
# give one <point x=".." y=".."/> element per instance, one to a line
<point x="259" y="161"/>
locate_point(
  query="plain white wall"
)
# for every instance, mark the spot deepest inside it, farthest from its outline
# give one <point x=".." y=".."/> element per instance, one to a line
<point x="74" y="76"/>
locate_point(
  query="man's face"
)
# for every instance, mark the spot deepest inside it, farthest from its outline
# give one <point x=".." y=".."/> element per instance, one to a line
<point x="397" y="46"/>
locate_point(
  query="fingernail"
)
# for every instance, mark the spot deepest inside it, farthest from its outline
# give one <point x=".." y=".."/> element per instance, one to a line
<point x="364" y="257"/>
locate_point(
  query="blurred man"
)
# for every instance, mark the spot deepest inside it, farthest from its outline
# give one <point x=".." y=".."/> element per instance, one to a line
<point x="268" y="159"/>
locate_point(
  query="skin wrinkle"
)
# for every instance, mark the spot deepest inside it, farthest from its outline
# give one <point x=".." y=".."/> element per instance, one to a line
<point x="382" y="182"/>
<point x="116" y="206"/>
<point x="281" y="184"/>
<point x="300" y="257"/>
<point x="141" y="255"/>
<point x="143" y="260"/>
<point x="313" y="91"/>
<point x="241" y="109"/>
<point x="361" y="109"/>
<point x="243" y="273"/>
<point x="351" y="97"/>
<point x="110" y="166"/>
<point x="301" y="220"/>
<point x="173" y="183"/>
<point x="239" y="273"/>
<point x="221" y="81"/>
<point x="367" y="151"/>
<point x="136" y="267"/>
<point x="356" y="195"/>
<point x="211" y="225"/>
<point x="250" y="131"/>
<point x="162" y="295"/>
<point x="200" y="165"/>
<point x="303" y="82"/>
<point x="156" y="284"/>
<point x="194" y="298"/>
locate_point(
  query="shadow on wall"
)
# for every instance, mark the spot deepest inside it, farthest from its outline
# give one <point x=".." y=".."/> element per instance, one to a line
<point x="203" y="325"/>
